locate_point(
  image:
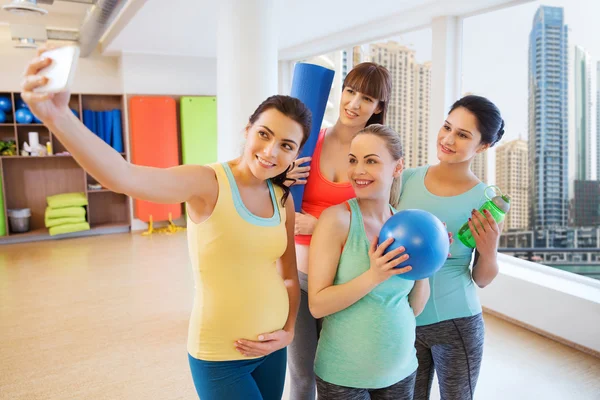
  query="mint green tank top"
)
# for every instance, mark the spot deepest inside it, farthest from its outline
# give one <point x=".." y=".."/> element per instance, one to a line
<point x="370" y="344"/>
<point x="453" y="292"/>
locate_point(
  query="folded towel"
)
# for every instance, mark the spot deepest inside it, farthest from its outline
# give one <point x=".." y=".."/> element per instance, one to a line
<point x="69" y="228"/>
<point x="50" y="222"/>
<point x="66" y="212"/>
<point x="67" y="200"/>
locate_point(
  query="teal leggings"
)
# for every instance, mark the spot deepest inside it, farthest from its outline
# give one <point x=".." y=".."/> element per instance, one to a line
<point x="256" y="379"/>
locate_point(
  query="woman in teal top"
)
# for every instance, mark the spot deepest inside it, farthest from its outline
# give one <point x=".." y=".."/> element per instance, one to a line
<point x="450" y="329"/>
<point x="366" y="348"/>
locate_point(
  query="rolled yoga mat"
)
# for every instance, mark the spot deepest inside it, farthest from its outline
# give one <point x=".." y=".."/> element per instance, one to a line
<point x="2" y="215"/>
<point x="311" y="84"/>
<point x="154" y="144"/>
<point x="199" y="130"/>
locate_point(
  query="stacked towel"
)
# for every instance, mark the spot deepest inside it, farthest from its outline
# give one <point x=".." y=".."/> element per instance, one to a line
<point x="66" y="213"/>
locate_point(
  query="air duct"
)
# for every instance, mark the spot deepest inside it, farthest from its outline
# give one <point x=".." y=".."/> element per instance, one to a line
<point x="96" y="23"/>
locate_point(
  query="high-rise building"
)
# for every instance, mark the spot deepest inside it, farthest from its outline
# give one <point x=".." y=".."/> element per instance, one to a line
<point x="548" y="119"/>
<point x="479" y="166"/>
<point x="583" y="114"/>
<point x="408" y="109"/>
<point x="586" y="207"/>
<point x="511" y="178"/>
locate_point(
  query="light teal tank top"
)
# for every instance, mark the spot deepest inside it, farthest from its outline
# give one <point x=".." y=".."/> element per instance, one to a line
<point x="370" y="344"/>
<point x="453" y="292"/>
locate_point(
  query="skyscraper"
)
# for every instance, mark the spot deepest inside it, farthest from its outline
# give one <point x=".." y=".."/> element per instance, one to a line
<point x="548" y="119"/>
<point x="583" y="115"/>
<point x="408" y="109"/>
<point x="479" y="166"/>
<point x="511" y="178"/>
<point x="586" y="204"/>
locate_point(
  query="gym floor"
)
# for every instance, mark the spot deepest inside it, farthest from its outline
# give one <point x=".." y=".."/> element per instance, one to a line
<point x="106" y="318"/>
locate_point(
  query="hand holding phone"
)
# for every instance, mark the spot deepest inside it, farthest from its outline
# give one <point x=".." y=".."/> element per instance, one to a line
<point x="61" y="70"/>
<point x="46" y="83"/>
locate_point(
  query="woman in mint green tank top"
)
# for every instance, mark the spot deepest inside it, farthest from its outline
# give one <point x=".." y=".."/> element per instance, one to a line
<point x="450" y="330"/>
<point x="366" y="347"/>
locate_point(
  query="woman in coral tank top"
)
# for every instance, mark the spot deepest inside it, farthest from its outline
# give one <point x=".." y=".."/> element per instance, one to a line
<point x="365" y="95"/>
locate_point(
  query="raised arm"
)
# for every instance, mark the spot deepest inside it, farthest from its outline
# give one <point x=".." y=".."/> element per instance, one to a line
<point x="170" y="185"/>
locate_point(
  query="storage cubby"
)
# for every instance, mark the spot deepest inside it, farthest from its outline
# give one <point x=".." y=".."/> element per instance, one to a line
<point x="107" y="208"/>
<point x="23" y="135"/>
<point x="28" y="180"/>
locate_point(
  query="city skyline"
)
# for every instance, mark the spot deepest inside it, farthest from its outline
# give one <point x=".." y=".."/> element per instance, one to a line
<point x="503" y="53"/>
<point x="408" y="108"/>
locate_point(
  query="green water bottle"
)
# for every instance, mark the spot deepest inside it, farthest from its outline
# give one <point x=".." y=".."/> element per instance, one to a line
<point x="498" y="206"/>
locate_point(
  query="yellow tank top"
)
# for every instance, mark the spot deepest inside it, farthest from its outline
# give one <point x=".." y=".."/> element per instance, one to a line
<point x="238" y="292"/>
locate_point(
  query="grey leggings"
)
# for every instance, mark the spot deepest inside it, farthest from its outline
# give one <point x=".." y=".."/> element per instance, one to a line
<point x="402" y="390"/>
<point x="301" y="352"/>
<point x="453" y="349"/>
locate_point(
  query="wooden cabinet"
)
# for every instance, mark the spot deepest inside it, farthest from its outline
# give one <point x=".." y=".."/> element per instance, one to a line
<point x="27" y="180"/>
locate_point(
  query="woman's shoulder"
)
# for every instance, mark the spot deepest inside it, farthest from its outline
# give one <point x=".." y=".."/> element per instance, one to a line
<point x="410" y="173"/>
<point x="336" y="218"/>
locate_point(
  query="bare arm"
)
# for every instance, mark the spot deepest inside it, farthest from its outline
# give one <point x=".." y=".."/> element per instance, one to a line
<point x="487" y="234"/>
<point x="286" y="266"/>
<point x="171" y="185"/>
<point x="485" y="270"/>
<point x="324" y="297"/>
<point x="418" y="296"/>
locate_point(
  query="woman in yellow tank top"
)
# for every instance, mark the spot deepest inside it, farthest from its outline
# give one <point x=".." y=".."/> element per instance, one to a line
<point x="240" y="237"/>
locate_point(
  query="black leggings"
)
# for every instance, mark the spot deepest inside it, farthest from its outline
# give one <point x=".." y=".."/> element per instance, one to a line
<point x="402" y="390"/>
<point x="453" y="349"/>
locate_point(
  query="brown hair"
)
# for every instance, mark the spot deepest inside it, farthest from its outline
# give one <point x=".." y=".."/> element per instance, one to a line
<point x="292" y="108"/>
<point x="373" y="80"/>
<point x="394" y="146"/>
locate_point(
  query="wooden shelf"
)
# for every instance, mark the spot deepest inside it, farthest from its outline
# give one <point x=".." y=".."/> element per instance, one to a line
<point x="27" y="184"/>
<point x="43" y="233"/>
<point x="33" y="232"/>
<point x="34" y="157"/>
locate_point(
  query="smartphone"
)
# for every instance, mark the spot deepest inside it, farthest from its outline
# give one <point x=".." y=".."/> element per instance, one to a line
<point x="61" y="71"/>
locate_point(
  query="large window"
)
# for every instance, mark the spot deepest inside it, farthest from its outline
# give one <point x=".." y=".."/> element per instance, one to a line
<point x="539" y="64"/>
<point x="407" y="57"/>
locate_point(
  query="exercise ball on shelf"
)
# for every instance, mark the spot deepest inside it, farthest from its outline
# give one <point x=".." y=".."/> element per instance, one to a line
<point x="24" y="116"/>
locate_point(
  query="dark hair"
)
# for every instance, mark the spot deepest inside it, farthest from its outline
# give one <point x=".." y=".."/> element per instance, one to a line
<point x="394" y="146"/>
<point x="489" y="120"/>
<point x="373" y="80"/>
<point x="292" y="108"/>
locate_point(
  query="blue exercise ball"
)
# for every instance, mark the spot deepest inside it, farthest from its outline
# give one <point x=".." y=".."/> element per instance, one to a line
<point x="2" y="117"/>
<point x="23" y="116"/>
<point x="424" y="237"/>
<point x="5" y="104"/>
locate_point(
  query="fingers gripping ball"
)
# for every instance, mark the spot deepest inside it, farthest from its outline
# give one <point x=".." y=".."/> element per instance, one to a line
<point x="424" y="237"/>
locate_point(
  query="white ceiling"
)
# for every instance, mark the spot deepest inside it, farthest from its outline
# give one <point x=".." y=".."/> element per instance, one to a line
<point x="188" y="28"/>
<point x="61" y="14"/>
<point x="307" y="27"/>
